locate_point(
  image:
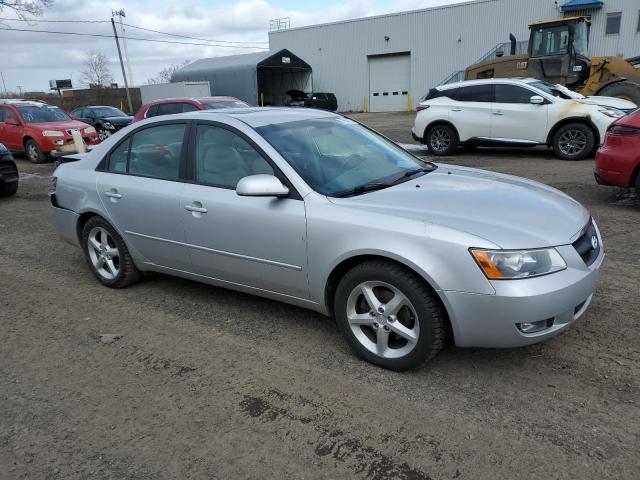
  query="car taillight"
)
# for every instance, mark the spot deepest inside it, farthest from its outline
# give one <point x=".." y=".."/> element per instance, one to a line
<point x="422" y="107"/>
<point x="623" y="130"/>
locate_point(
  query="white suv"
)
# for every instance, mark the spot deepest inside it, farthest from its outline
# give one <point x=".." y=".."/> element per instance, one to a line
<point x="522" y="112"/>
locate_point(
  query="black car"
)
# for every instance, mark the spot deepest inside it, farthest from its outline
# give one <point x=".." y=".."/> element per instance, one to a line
<point x="106" y="120"/>
<point x="324" y="101"/>
<point x="8" y="173"/>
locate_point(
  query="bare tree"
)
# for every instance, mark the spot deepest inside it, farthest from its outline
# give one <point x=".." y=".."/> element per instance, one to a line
<point x="96" y="70"/>
<point x="164" y="75"/>
<point x="25" y="8"/>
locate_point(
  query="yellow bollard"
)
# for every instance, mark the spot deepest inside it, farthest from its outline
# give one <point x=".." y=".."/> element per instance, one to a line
<point x="365" y="104"/>
<point x="408" y="102"/>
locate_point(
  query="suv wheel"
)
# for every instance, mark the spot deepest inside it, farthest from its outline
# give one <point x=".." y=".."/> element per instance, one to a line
<point x="107" y="254"/>
<point x="8" y="189"/>
<point x="574" y="141"/>
<point x="441" y="140"/>
<point x="33" y="152"/>
<point x="388" y="315"/>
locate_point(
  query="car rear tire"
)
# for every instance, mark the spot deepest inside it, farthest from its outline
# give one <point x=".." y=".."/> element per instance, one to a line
<point x="638" y="184"/>
<point x="442" y="140"/>
<point x="7" y="190"/>
<point x="625" y="90"/>
<point x="574" y="141"/>
<point x="33" y="152"/>
<point x="389" y="316"/>
<point x="107" y="254"/>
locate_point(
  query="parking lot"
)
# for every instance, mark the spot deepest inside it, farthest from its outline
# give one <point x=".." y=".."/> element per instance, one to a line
<point x="210" y="383"/>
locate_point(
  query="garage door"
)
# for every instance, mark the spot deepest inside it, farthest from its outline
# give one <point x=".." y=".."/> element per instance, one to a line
<point x="389" y="81"/>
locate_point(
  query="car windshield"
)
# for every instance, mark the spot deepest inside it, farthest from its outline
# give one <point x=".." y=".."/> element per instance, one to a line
<point x="108" y="112"/>
<point x="556" y="90"/>
<point x="338" y="157"/>
<point x="224" y="104"/>
<point x="43" y="114"/>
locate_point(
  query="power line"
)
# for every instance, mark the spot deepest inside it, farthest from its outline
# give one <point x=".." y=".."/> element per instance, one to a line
<point x="136" y="27"/>
<point x="131" y="38"/>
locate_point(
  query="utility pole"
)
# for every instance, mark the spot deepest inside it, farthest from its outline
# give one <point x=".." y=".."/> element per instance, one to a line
<point x="20" y="89"/>
<point x="120" y="13"/>
<point x="4" y="85"/>
<point x="124" y="75"/>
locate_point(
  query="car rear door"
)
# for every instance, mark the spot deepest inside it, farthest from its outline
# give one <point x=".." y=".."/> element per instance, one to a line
<point x="10" y="135"/>
<point x="259" y="242"/>
<point x="140" y="188"/>
<point x="470" y="111"/>
<point x="514" y="117"/>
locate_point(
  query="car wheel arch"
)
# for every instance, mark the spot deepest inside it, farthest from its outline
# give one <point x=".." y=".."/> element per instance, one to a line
<point x="346" y="264"/>
<point x="584" y="120"/>
<point x="85" y="216"/>
<point x="439" y="122"/>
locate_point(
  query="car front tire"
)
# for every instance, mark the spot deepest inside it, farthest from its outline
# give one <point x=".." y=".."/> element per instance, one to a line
<point x="389" y="316"/>
<point x="107" y="254"/>
<point x="441" y="139"/>
<point x="33" y="152"/>
<point x="574" y="141"/>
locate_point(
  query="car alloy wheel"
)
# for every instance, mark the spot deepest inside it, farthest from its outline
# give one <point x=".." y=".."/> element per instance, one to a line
<point x="104" y="253"/>
<point x="382" y="319"/>
<point x="440" y="140"/>
<point x="103" y="134"/>
<point x="572" y="142"/>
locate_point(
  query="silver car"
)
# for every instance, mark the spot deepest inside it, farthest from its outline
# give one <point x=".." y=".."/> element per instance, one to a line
<point x="316" y="210"/>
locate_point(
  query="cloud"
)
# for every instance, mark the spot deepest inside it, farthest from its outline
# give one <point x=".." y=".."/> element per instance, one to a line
<point x="32" y="59"/>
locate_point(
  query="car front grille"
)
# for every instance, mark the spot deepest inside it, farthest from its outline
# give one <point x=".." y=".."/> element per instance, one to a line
<point x="588" y="245"/>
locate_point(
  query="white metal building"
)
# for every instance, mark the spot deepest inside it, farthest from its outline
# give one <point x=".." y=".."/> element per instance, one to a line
<point x="389" y="61"/>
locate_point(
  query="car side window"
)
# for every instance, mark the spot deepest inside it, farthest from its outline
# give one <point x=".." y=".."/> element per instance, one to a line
<point x="188" y="107"/>
<point x="152" y="112"/>
<point x="223" y="157"/>
<point x="6" y="113"/>
<point x="169" y="108"/>
<point x="153" y="152"/>
<point x="475" y="93"/>
<point x="3" y="112"/>
<point x="119" y="157"/>
<point x="512" y="94"/>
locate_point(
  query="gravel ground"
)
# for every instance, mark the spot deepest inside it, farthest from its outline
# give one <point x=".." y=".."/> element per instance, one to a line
<point x="209" y="383"/>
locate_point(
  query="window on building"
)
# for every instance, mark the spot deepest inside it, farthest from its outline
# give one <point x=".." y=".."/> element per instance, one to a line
<point x="613" y="23"/>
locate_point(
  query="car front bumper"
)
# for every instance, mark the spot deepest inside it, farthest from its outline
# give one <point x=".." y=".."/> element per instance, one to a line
<point x="559" y="298"/>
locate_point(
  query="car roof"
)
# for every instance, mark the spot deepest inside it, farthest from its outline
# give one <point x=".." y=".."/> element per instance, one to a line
<point x="217" y="98"/>
<point x="24" y="103"/>
<point x="487" y="81"/>
<point x="259" y="116"/>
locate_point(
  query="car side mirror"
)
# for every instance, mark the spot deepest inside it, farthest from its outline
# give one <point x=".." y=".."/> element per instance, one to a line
<point x="536" y="100"/>
<point x="12" y="121"/>
<point x="261" y="186"/>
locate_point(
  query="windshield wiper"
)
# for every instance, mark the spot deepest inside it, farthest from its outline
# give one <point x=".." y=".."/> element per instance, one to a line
<point x="367" y="187"/>
<point x="416" y="171"/>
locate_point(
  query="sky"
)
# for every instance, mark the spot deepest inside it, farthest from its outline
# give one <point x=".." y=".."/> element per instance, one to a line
<point x="30" y="59"/>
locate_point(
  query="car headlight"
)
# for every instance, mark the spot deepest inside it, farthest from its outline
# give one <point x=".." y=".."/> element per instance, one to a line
<point x="612" y="112"/>
<point x="89" y="130"/>
<point x="514" y="264"/>
<point x="52" y="133"/>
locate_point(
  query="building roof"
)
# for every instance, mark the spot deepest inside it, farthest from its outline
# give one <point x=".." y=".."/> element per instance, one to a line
<point x="571" y="5"/>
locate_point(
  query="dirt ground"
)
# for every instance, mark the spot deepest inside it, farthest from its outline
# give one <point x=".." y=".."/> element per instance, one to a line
<point x="207" y="383"/>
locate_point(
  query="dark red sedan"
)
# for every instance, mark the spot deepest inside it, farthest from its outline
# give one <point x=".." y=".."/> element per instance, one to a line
<point x="169" y="106"/>
<point x="618" y="159"/>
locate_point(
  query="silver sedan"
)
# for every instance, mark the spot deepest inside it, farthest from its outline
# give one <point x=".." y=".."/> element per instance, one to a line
<point x="316" y="210"/>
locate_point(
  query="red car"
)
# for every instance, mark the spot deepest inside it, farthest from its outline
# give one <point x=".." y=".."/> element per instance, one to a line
<point x="168" y="106"/>
<point x="618" y="159"/>
<point x="40" y="129"/>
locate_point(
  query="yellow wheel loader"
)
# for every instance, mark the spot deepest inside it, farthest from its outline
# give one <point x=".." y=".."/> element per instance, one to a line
<point x="557" y="54"/>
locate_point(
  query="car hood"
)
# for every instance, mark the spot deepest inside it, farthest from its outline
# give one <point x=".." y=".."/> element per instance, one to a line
<point x="118" y="120"/>
<point x="62" y="125"/>
<point x="511" y="212"/>
<point x="612" y="102"/>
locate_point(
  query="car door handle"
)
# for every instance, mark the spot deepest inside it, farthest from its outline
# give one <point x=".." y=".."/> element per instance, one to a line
<point x="195" y="207"/>
<point x="113" y="193"/>
<point x="498" y="113"/>
<point x="456" y="109"/>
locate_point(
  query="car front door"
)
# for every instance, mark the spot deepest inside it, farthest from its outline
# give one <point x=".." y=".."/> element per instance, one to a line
<point x="470" y="111"/>
<point x="514" y="117"/>
<point x="140" y="188"/>
<point x="254" y="241"/>
<point x="10" y="135"/>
